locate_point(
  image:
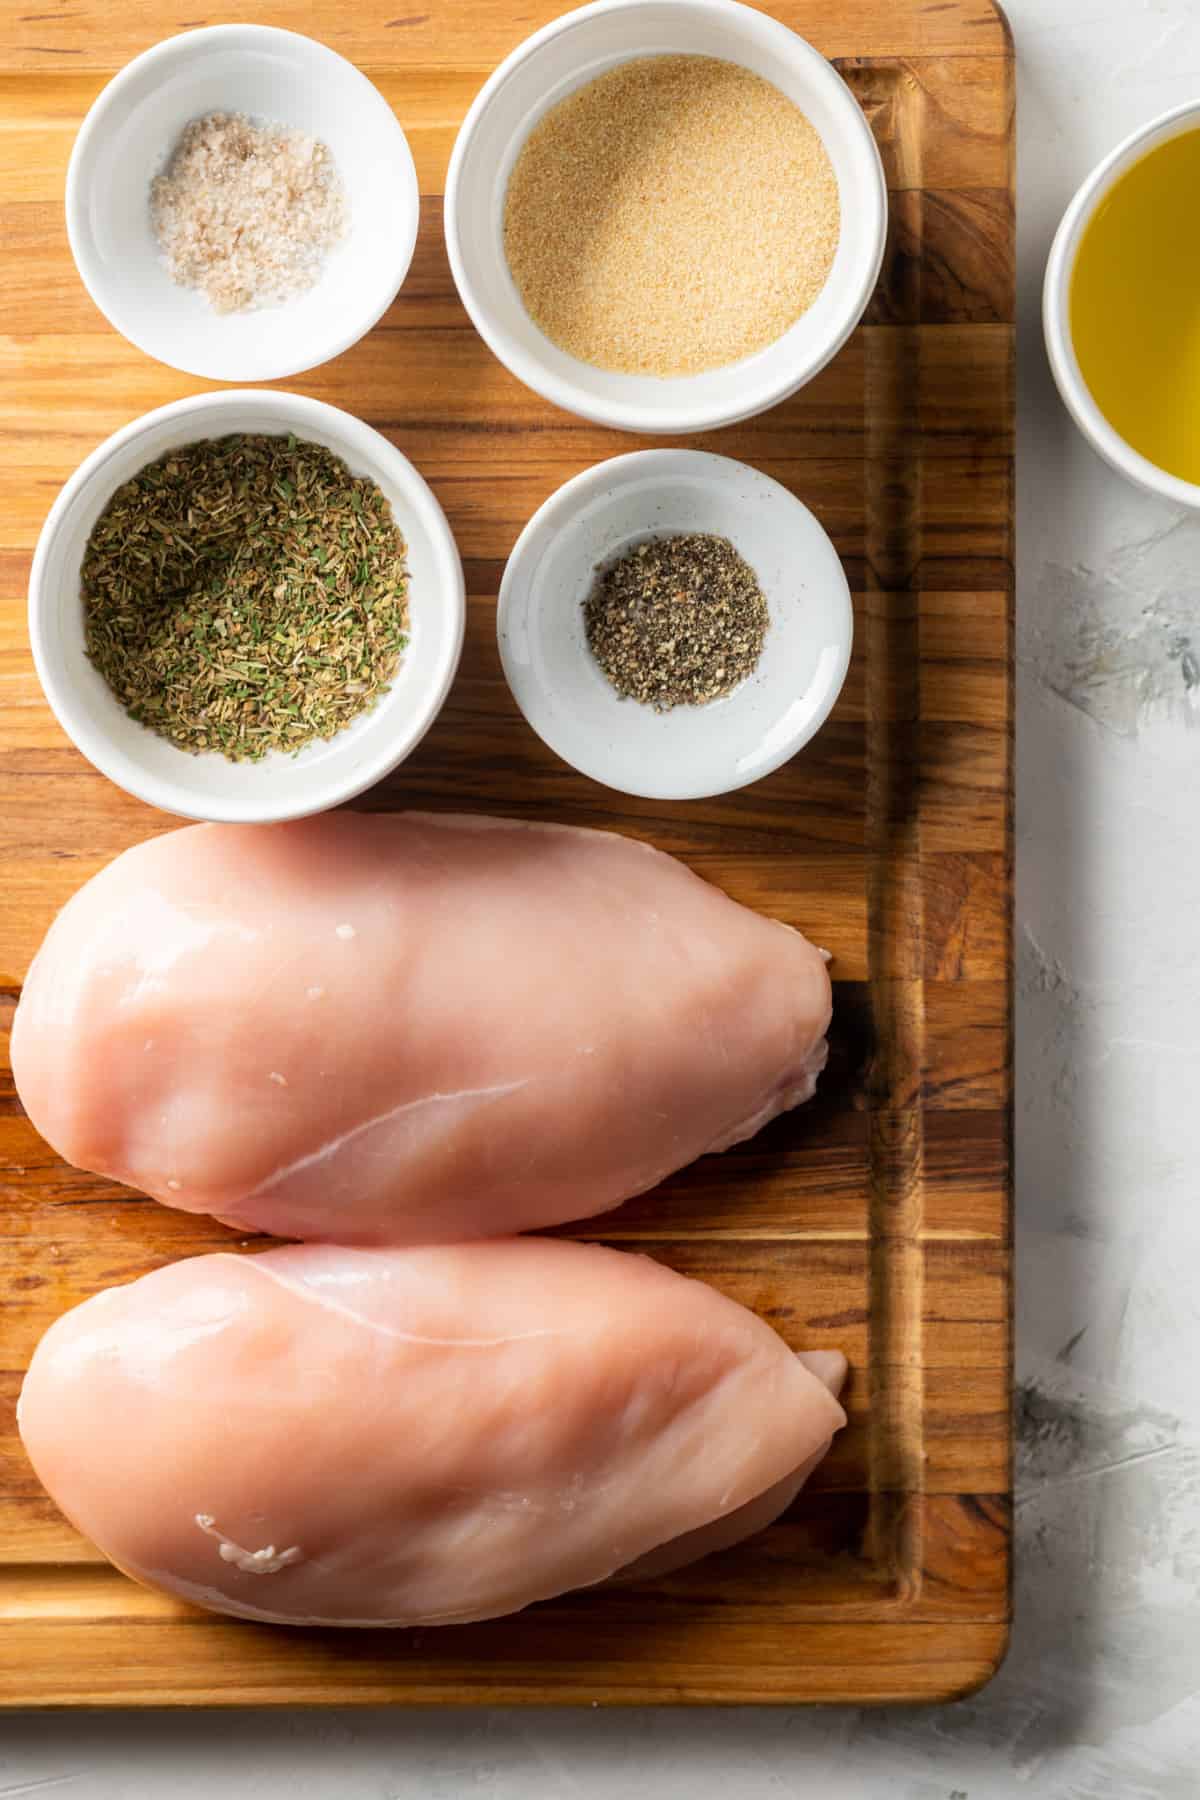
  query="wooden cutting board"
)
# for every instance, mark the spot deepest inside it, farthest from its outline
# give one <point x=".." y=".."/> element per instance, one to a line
<point x="876" y="1219"/>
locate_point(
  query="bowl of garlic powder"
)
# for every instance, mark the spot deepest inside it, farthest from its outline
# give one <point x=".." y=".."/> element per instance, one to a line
<point x="665" y="215"/>
<point x="241" y="203"/>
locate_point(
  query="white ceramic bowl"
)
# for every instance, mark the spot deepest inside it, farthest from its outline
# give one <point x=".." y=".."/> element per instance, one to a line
<point x="127" y="138"/>
<point x="209" y="786"/>
<point x="1056" y="309"/>
<point x="691" y="751"/>
<point x="544" y="70"/>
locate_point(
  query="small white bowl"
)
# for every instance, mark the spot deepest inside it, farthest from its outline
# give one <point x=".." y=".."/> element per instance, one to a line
<point x="1056" y="309"/>
<point x="692" y="751"/>
<point x="125" y="141"/>
<point x="209" y="786"/>
<point x="552" y="64"/>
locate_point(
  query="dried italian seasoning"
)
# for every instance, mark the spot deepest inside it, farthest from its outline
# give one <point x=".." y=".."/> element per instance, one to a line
<point x="677" y="621"/>
<point x="246" y="594"/>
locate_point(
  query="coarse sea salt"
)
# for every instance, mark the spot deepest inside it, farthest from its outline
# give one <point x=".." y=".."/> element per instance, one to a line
<point x="246" y="212"/>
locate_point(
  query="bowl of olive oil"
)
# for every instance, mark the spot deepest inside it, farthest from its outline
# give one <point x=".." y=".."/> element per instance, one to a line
<point x="1121" y="307"/>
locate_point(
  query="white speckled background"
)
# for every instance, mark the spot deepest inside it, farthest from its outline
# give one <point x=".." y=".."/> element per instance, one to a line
<point x="1100" y="1697"/>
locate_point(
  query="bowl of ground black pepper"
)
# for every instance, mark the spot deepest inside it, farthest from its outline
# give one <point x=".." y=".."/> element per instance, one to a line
<point x="665" y="215"/>
<point x="675" y="624"/>
<point x="246" y="606"/>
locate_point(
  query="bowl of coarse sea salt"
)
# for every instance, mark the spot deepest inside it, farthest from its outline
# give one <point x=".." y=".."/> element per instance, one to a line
<point x="665" y="215"/>
<point x="241" y="203"/>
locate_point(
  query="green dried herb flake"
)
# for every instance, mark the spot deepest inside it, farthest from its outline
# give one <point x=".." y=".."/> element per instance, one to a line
<point x="219" y="605"/>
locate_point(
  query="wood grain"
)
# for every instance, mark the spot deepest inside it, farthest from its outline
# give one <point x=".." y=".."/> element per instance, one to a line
<point x="876" y="1219"/>
<point x="57" y="36"/>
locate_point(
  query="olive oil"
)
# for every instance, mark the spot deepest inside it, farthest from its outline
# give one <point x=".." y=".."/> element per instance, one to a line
<point x="1135" y="306"/>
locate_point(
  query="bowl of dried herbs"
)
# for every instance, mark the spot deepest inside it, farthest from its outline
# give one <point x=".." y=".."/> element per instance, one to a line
<point x="246" y="606"/>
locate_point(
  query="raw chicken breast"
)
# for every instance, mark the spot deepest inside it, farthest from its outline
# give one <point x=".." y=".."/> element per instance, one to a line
<point x="829" y="1366"/>
<point x="409" y="1028"/>
<point x="403" y="1437"/>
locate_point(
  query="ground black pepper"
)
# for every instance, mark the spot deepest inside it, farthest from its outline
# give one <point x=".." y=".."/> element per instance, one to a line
<point x="677" y="621"/>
